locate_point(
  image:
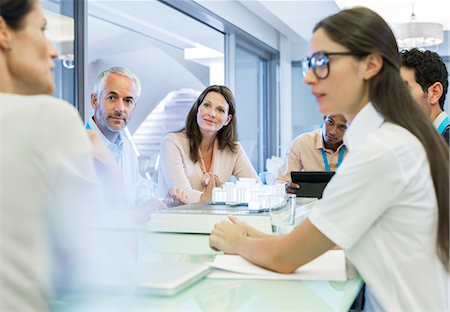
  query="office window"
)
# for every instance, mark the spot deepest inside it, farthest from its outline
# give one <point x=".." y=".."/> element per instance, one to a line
<point x="60" y="30"/>
<point x="249" y="103"/>
<point x="174" y="55"/>
<point x="305" y="114"/>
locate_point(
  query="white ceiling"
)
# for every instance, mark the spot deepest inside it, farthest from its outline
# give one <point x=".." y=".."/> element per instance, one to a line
<point x="300" y="16"/>
<point x="399" y="11"/>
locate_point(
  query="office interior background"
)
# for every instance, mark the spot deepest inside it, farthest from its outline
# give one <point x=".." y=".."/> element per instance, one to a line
<point x="177" y="48"/>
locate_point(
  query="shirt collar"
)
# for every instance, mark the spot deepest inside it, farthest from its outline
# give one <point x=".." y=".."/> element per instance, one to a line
<point x="439" y="119"/>
<point x="120" y="139"/>
<point x="364" y="123"/>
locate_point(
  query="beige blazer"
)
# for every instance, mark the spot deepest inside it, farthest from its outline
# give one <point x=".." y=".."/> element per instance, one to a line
<point x="176" y="169"/>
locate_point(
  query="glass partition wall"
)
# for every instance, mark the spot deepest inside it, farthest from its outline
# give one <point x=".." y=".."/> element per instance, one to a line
<point x="177" y="48"/>
<point x="61" y="32"/>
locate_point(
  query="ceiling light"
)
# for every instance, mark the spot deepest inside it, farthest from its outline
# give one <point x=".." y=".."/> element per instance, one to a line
<point x="418" y="34"/>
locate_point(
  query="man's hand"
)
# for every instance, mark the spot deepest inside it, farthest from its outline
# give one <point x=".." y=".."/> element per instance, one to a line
<point x="101" y="153"/>
<point x="175" y="197"/>
<point x="292" y="187"/>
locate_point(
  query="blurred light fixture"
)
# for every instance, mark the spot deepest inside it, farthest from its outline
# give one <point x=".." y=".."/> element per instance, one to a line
<point x="418" y="34"/>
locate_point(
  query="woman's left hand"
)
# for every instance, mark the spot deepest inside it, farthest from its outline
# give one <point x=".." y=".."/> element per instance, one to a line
<point x="226" y="236"/>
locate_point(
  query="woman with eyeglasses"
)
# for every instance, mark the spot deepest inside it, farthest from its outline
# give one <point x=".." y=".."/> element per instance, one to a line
<point x="206" y="152"/>
<point x="387" y="206"/>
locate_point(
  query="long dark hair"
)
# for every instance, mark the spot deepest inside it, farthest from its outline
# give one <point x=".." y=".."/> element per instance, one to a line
<point x="363" y="31"/>
<point x="227" y="136"/>
<point x="14" y="11"/>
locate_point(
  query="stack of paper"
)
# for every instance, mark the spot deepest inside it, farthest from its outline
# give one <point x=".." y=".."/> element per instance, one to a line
<point x="329" y="266"/>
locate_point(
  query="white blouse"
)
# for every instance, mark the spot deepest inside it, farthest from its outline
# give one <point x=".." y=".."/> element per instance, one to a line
<point x="381" y="208"/>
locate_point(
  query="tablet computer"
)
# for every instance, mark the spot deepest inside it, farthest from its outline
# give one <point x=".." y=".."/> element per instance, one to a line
<point x="312" y="183"/>
<point x="167" y="279"/>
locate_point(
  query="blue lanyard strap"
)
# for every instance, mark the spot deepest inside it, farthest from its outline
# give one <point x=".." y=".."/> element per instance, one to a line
<point x="444" y="124"/>
<point x="325" y="159"/>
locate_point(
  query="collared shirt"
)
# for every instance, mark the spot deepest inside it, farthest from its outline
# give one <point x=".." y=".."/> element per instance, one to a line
<point x="437" y="123"/>
<point x="381" y="208"/>
<point x="137" y="189"/>
<point x="305" y="154"/>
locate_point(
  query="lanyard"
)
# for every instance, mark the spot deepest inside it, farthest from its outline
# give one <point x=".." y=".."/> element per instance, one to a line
<point x="325" y="160"/>
<point x="444" y="124"/>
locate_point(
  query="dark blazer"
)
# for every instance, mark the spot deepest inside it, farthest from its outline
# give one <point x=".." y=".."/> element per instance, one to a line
<point x="446" y="133"/>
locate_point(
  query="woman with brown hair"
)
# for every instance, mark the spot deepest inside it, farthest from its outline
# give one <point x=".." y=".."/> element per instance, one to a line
<point x="387" y="206"/>
<point x="206" y="152"/>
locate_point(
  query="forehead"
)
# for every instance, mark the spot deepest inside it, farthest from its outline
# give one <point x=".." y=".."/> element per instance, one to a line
<point x="120" y="84"/>
<point x="215" y="98"/>
<point x="408" y="74"/>
<point x="338" y="119"/>
<point x="320" y="41"/>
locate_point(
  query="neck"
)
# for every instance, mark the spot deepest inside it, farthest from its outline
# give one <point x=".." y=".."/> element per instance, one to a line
<point x="434" y="113"/>
<point x="332" y="147"/>
<point x="356" y="109"/>
<point x="207" y="143"/>
<point x="110" y="135"/>
<point x="6" y="83"/>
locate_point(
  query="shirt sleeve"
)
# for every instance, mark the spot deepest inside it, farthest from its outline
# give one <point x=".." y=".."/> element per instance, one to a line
<point x="174" y="171"/>
<point x="243" y="167"/>
<point x="292" y="162"/>
<point x="363" y="188"/>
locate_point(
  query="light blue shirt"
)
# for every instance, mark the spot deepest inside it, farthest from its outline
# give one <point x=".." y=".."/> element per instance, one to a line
<point x="136" y="188"/>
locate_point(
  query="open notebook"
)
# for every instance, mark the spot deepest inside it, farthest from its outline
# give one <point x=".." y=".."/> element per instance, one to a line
<point x="330" y="266"/>
<point x="167" y="279"/>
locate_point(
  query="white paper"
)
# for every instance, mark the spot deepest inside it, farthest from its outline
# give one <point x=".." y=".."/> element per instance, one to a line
<point x="329" y="266"/>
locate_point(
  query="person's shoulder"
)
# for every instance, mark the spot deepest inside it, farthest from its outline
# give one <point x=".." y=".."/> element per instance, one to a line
<point x="177" y="138"/>
<point x="395" y="139"/>
<point x="42" y="107"/>
<point x="307" y="138"/>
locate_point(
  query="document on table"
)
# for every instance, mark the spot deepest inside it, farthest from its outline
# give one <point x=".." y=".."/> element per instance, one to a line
<point x="330" y="266"/>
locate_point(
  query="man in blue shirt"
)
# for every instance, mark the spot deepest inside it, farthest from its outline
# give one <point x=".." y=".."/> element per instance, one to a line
<point x="426" y="75"/>
<point x="116" y="91"/>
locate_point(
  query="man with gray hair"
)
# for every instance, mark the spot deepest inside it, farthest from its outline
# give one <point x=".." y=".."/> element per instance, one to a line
<point x="116" y="91"/>
<point x="114" y="100"/>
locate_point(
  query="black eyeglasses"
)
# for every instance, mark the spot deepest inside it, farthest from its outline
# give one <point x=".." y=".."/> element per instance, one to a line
<point x="320" y="63"/>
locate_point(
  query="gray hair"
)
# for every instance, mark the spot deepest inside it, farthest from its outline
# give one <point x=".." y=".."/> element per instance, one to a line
<point x="101" y="78"/>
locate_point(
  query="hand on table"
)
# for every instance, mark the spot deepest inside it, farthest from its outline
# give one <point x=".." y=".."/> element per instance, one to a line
<point x="226" y="235"/>
<point x="175" y="197"/>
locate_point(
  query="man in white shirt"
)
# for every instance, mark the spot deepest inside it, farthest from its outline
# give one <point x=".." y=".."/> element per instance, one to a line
<point x="426" y="76"/>
<point x="114" y="100"/>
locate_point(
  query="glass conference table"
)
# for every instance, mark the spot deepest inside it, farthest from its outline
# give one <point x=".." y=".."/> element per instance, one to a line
<point x="222" y="294"/>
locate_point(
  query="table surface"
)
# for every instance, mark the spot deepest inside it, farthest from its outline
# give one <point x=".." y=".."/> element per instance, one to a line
<point x="220" y="294"/>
